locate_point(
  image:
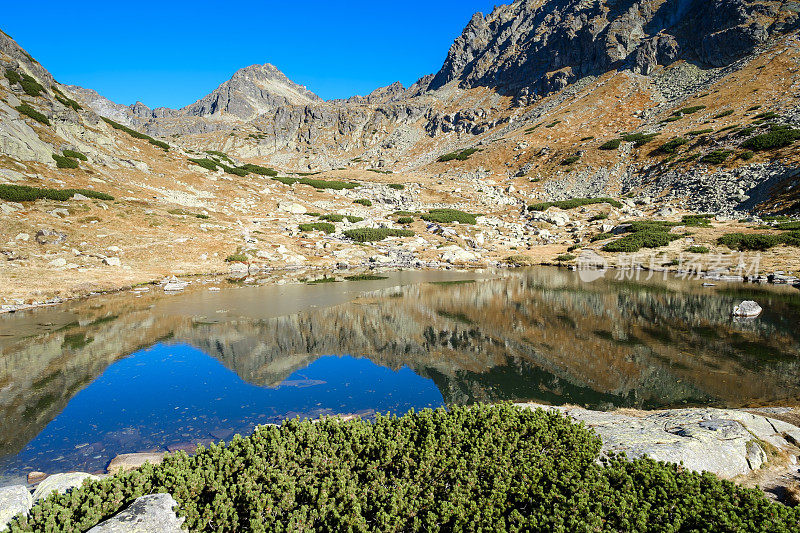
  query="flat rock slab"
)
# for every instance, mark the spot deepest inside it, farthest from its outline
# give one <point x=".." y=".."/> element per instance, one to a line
<point x="131" y="461"/>
<point x="60" y="483"/>
<point x="147" y="514"/>
<point x="725" y="442"/>
<point x="13" y="501"/>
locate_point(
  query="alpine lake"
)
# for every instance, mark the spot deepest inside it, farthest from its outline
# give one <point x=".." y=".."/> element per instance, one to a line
<point x="147" y="371"/>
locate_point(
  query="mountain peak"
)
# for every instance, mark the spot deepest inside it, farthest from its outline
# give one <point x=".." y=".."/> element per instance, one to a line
<point x="251" y="91"/>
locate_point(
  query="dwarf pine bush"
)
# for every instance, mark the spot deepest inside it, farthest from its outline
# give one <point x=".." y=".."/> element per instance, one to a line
<point x="376" y="234"/>
<point x="573" y="203"/>
<point x="448" y="216"/>
<point x="27" y="110"/>
<point x="485" y="468"/>
<point x="135" y="134"/>
<point x="24" y="193"/>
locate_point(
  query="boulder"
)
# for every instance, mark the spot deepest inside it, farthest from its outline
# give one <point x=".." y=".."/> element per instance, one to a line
<point x="49" y="236"/>
<point x="112" y="261"/>
<point x="60" y="483"/>
<point x="13" y="501"/>
<point x="153" y="513"/>
<point x="58" y="262"/>
<point x="455" y="254"/>
<point x="132" y="461"/>
<point x="292" y="207"/>
<point x="747" y="308"/>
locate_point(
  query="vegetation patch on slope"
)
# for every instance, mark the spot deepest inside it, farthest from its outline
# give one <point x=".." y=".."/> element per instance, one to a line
<point x="24" y="193"/>
<point x="759" y="241"/>
<point x="448" y="216"/>
<point x="573" y="203"/>
<point x="135" y="134"/>
<point x="376" y="234"/>
<point x="461" y="155"/>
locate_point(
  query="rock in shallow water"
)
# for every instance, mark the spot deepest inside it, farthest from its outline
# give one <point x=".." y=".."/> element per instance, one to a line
<point x="131" y="461"/>
<point x="13" y="501"/>
<point x="147" y="514"/>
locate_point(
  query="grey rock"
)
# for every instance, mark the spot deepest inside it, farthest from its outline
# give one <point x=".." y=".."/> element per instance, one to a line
<point x="747" y="308"/>
<point x="13" y="501"/>
<point x="132" y="461"/>
<point x="724" y="442"/>
<point x="60" y="483"/>
<point x="49" y="236"/>
<point x="147" y="514"/>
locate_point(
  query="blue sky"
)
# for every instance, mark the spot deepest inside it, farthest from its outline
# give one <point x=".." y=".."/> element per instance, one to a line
<point x="172" y="52"/>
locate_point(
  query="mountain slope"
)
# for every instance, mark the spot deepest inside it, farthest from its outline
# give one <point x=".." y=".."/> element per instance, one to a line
<point x="535" y="47"/>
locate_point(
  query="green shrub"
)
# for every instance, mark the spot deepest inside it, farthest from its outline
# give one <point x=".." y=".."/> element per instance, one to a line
<point x="13" y="76"/>
<point x="65" y="162"/>
<point x="772" y="140"/>
<point x="25" y="109"/>
<point x="601" y="216"/>
<point x="731" y="127"/>
<point x="365" y="277"/>
<point x="220" y="155"/>
<point x="257" y="169"/>
<point x="601" y="237"/>
<point x="564" y="258"/>
<point x="135" y="134"/>
<point x="237" y="258"/>
<point x="332" y="218"/>
<point x="589" y="138"/>
<point x="353" y="219"/>
<point x="397" y="186"/>
<point x="672" y="146"/>
<point x="670" y="119"/>
<point x="24" y="193"/>
<point x="286" y="180"/>
<point x="485" y="468"/>
<point x="65" y="101"/>
<point x="573" y="203"/>
<point x="208" y="164"/>
<point x="750" y="241"/>
<point x="611" y="145"/>
<point x="318" y="226"/>
<point x="698" y="249"/>
<point x="236" y="171"/>
<point x="328" y="184"/>
<point x="376" y="234"/>
<point x="405" y="220"/>
<point x="639" y="139"/>
<point x="30" y="86"/>
<point x="462" y="155"/>
<point x="448" y="216"/>
<point x="695" y="133"/>
<point x="723" y="114"/>
<point x="363" y="201"/>
<point x="74" y="154"/>
<point x="688" y="110"/>
<point x="747" y="155"/>
<point x="553" y="124"/>
<point x="784" y="226"/>
<point x="202" y="216"/>
<point x="769" y="115"/>
<point x="570" y="160"/>
<point x="634" y="242"/>
<point x="379" y="171"/>
<point x="701" y="221"/>
<point x="717" y="157"/>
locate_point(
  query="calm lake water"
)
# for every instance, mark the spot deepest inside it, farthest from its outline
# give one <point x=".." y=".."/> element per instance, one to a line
<point x="86" y="381"/>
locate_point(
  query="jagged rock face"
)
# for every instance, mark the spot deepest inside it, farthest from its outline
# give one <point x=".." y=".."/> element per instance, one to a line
<point x="534" y="47"/>
<point x="252" y="91"/>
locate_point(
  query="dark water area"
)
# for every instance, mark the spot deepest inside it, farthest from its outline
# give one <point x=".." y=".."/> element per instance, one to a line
<point x="84" y="382"/>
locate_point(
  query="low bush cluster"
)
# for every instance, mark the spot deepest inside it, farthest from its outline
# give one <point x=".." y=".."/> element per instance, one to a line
<point x="74" y="154"/>
<point x="688" y="110"/>
<point x="65" y="162"/>
<point x="461" y="155"/>
<point x="28" y="84"/>
<point x="257" y="169"/>
<point x="698" y="250"/>
<point x="793" y="225"/>
<point x="643" y="234"/>
<point x="135" y="134"/>
<point x="695" y="133"/>
<point x="66" y="101"/>
<point x="363" y="201"/>
<point x="397" y="186"/>
<point x="27" y="110"/>
<point x="611" y="145"/>
<point x="778" y="138"/>
<point x="327" y="227"/>
<point x="759" y="241"/>
<point x="565" y="258"/>
<point x="570" y="160"/>
<point x="573" y="203"/>
<point x="376" y="234"/>
<point x="448" y="216"/>
<point x="670" y="147"/>
<point x="716" y="157"/>
<point x="405" y="220"/>
<point x="485" y="468"/>
<point x="237" y="258"/>
<point x="639" y="139"/>
<point x="24" y="193"/>
<point x="723" y="114"/>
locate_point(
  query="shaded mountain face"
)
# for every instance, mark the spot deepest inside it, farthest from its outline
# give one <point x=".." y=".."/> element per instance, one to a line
<point x="535" y="47"/>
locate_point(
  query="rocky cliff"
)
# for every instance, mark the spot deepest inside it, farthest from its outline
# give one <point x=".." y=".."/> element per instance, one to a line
<point x="535" y="47"/>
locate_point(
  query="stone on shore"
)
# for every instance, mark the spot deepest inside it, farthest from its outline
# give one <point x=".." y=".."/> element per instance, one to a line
<point x="13" y="501"/>
<point x="132" y="461"/>
<point x="147" y="514"/>
<point x="747" y="309"/>
<point x="60" y="483"/>
<point x="728" y="443"/>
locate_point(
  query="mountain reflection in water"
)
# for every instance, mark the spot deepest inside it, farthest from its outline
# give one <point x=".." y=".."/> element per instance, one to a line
<point x="206" y="366"/>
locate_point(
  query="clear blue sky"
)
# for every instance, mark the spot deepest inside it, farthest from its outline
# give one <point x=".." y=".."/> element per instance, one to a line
<point x="172" y="52"/>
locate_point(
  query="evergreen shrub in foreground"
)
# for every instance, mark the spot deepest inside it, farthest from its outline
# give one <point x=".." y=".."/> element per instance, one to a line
<point x="489" y="468"/>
